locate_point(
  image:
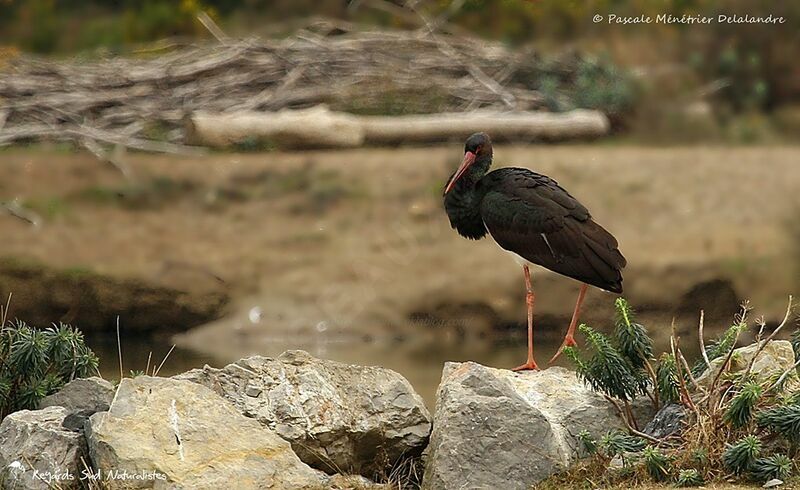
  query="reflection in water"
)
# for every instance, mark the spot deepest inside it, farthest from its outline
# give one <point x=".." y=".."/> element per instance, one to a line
<point x="421" y="363"/>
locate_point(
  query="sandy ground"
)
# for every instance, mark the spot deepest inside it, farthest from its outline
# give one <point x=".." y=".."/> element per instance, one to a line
<point x="355" y="244"/>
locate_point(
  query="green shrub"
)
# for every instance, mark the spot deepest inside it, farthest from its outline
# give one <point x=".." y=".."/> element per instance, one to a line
<point x="667" y="381"/>
<point x="783" y="420"/>
<point x="738" y="457"/>
<point x="657" y="464"/>
<point x="776" y="466"/>
<point x="616" y="365"/>
<point x="37" y="362"/>
<point x="618" y="443"/>
<point x="690" y="478"/>
<point x="738" y="425"/>
<point x="740" y="411"/>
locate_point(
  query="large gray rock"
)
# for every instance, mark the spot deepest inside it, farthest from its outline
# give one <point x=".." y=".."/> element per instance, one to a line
<point x="776" y="358"/>
<point x="82" y="394"/>
<point x="81" y="397"/>
<point x="494" y="428"/>
<point x="37" y="452"/>
<point x="338" y="417"/>
<point x="167" y="433"/>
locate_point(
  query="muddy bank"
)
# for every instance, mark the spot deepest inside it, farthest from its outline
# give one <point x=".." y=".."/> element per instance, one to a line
<point x="354" y="245"/>
<point x="42" y="295"/>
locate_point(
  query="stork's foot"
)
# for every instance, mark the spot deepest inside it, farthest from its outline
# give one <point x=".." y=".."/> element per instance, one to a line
<point x="528" y="366"/>
<point x="569" y="341"/>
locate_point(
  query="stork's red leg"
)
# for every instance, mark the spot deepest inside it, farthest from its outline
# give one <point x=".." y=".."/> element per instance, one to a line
<point x="569" y="339"/>
<point x="530" y="363"/>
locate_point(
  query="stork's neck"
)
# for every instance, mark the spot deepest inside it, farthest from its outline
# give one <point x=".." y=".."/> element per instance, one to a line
<point x="463" y="202"/>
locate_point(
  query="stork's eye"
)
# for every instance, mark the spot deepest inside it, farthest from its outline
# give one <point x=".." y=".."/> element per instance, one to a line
<point x="478" y="149"/>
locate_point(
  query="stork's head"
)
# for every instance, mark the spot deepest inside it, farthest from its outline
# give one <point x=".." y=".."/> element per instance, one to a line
<point x="478" y="148"/>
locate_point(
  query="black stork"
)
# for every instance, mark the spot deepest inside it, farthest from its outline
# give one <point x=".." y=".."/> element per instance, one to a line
<point x="537" y="221"/>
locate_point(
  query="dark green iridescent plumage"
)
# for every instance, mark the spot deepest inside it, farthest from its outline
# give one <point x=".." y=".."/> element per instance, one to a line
<point x="531" y="215"/>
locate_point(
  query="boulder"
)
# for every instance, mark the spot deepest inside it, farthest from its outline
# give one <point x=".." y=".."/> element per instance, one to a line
<point x="37" y="452"/>
<point x="167" y="433"/>
<point x="494" y="428"/>
<point x="81" y="397"/>
<point x="338" y="417"/>
<point x="776" y="358"/>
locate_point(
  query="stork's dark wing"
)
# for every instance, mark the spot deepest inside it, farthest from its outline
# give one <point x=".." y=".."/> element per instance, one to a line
<point x="531" y="215"/>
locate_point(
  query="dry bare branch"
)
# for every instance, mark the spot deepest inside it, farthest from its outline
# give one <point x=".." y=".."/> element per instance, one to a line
<point x="15" y="209"/>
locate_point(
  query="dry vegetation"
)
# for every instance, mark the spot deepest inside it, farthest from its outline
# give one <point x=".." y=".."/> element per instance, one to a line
<point x="739" y="424"/>
<point x="143" y="102"/>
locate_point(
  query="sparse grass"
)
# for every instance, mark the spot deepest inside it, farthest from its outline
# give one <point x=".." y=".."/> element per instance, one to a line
<point x="48" y="207"/>
<point x="319" y="189"/>
<point x="152" y="194"/>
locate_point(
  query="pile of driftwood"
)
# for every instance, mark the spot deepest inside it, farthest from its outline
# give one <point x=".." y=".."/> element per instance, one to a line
<point x="165" y="101"/>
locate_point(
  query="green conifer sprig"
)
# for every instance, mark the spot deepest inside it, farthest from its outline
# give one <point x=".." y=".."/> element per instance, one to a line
<point x="667" y="381"/>
<point x="738" y="457"/>
<point x="690" y="478"/>
<point x="740" y="411"/>
<point x="632" y="339"/>
<point x="607" y="370"/>
<point x="658" y="466"/>
<point x="36" y="362"/>
<point x="776" y="466"/>
<point x="784" y="420"/>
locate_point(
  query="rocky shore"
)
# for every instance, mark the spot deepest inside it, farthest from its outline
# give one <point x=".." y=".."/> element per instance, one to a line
<point x="296" y="421"/>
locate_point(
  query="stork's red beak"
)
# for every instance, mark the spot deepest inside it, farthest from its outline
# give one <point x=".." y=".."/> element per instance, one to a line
<point x="469" y="159"/>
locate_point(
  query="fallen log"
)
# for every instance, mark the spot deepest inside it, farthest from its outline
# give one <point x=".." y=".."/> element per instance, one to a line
<point x="316" y="127"/>
<point x="319" y="127"/>
<point x="509" y="126"/>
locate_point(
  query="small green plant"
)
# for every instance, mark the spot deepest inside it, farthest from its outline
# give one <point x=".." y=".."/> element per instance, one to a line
<point x="617" y="365"/>
<point x="776" y="466"/>
<point x="740" y="411"/>
<point x="783" y="420"/>
<point x="657" y="464"/>
<point x="739" y="457"/>
<point x="667" y="381"/>
<point x="37" y="362"/>
<point x="589" y="443"/>
<point x="631" y="337"/>
<point x="607" y="371"/>
<point x="690" y="478"/>
<point x="699" y="458"/>
<point x="618" y="443"/>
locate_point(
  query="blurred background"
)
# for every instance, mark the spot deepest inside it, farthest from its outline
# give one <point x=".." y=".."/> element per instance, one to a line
<point x="110" y="207"/>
